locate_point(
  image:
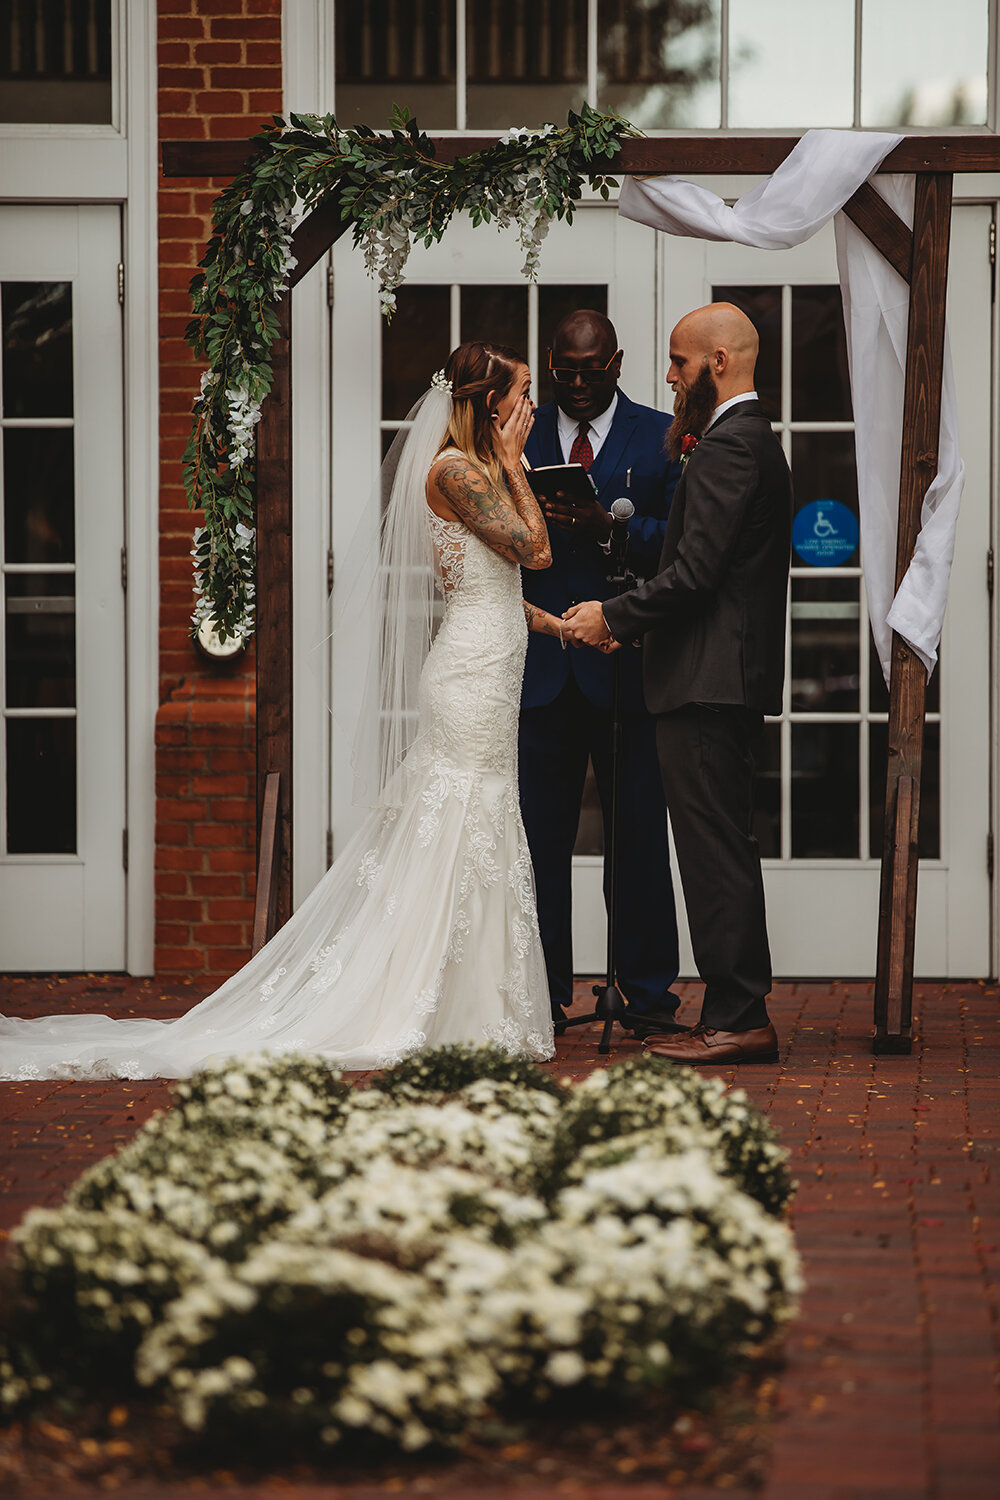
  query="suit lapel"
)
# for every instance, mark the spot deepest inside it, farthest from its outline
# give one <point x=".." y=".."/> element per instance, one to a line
<point x="546" y="431"/>
<point x="609" y="460"/>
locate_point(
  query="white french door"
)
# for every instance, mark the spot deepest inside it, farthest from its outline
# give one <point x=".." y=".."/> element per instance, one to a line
<point x="819" y="787"/>
<point x="62" y="639"/>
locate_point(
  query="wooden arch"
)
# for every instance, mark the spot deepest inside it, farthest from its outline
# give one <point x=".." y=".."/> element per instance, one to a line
<point x="919" y="255"/>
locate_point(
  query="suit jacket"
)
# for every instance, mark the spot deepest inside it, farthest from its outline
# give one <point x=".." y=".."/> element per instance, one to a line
<point x="713" y="616"/>
<point x="579" y="569"/>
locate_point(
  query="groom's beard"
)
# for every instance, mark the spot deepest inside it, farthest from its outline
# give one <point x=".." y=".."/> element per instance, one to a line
<point x="693" y="409"/>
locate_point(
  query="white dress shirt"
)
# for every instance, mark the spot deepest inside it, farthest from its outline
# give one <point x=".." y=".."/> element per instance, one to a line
<point x="597" y="429"/>
<point x="733" y="401"/>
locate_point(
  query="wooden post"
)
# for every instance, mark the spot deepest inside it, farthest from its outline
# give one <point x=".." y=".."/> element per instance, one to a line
<point x="274" y="605"/>
<point x="908" y="684"/>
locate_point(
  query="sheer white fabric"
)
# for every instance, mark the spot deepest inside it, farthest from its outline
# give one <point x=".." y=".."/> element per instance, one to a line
<point x="822" y="171"/>
<point x="424" y="931"/>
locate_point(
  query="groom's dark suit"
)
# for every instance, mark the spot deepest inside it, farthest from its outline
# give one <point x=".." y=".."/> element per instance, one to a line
<point x="713" y="619"/>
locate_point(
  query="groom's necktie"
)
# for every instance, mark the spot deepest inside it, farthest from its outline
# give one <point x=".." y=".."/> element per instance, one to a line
<point x="581" y="451"/>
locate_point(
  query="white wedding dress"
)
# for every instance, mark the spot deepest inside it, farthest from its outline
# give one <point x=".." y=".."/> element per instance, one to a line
<point x="424" y="931"/>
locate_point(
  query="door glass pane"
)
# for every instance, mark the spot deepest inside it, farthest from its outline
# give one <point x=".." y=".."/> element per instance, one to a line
<point x="929" y="841"/>
<point x="40" y="645"/>
<point x="554" y="304"/>
<point x="415" y="343"/>
<point x="791" y="64"/>
<point x="497" y="315"/>
<point x="41" y="786"/>
<point x="38" y="495"/>
<point x="924" y="63"/>
<point x="824" y="468"/>
<point x="37" y="349"/>
<point x="767" y="792"/>
<point x="526" y="61"/>
<point x="825" y="791"/>
<point x="825" y="661"/>
<point x="395" y="52"/>
<point x="55" y="62"/>
<point x="762" y="305"/>
<point x="658" y="62"/>
<point x="821" y="389"/>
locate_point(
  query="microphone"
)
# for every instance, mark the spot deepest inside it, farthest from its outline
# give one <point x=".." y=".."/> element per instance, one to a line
<point x="622" y="512"/>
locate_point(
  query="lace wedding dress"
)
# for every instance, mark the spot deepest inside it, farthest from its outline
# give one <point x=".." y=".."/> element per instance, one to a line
<point x="423" y="931"/>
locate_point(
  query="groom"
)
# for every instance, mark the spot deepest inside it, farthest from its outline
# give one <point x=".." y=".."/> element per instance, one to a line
<point x="713" y="624"/>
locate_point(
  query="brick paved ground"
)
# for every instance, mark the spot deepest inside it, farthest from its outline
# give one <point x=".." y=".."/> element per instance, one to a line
<point x="892" y="1388"/>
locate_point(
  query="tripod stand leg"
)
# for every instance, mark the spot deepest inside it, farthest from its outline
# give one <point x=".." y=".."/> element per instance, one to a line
<point x="605" y="1044"/>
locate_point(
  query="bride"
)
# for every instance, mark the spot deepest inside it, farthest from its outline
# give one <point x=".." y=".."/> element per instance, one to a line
<point x="424" y="929"/>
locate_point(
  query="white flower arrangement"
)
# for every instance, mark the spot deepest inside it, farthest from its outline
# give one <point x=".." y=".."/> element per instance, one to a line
<point x="281" y="1257"/>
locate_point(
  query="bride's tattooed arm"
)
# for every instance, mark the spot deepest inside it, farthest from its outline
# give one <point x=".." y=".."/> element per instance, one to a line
<point x="508" y="520"/>
<point x="541" y="621"/>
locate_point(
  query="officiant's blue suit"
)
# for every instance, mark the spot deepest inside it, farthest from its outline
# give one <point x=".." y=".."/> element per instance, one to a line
<point x="566" y="715"/>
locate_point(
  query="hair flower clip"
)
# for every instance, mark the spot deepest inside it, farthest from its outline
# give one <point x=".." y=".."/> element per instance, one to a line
<point x="440" y="382"/>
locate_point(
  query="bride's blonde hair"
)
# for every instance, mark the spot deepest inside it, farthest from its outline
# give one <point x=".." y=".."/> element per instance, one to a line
<point x="481" y="375"/>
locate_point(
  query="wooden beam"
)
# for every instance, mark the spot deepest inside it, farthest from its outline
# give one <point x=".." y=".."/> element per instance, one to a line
<point x="274" y="602"/>
<point x="264" y="923"/>
<point x="883" y="226"/>
<point x="691" y="155"/>
<point x="908" y="683"/>
<point x="314" y="237"/>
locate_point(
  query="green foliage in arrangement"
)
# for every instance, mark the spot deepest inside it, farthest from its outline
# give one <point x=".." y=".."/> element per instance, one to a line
<point x="284" y="1260"/>
<point x="394" y="192"/>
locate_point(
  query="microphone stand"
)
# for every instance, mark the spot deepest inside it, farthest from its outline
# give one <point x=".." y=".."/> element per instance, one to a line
<point x="609" y="1003"/>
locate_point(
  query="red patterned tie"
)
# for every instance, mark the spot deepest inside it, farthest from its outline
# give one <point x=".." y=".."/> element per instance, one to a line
<point x="581" y="451"/>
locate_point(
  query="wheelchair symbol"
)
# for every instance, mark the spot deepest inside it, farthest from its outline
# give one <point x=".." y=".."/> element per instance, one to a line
<point x="822" y="527"/>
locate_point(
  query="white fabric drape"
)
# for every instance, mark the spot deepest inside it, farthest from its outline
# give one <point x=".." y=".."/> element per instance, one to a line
<point x="822" y="171"/>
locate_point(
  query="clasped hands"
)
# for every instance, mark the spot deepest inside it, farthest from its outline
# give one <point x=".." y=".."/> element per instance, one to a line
<point x="585" y="625"/>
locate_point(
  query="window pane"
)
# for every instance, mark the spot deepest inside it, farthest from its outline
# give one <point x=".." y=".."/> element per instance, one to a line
<point x="55" y="62"/>
<point x="767" y="792"/>
<point x="924" y="63"/>
<point x="526" y="61"/>
<point x="40" y="647"/>
<point x="554" y="304"/>
<point x="37" y="349"/>
<point x="496" y="314"/>
<point x="821" y="387"/>
<point x="762" y="305"/>
<point x="41" y="786"/>
<point x="825" y="791"/>
<point x="791" y="64"/>
<point x="415" y="343"/>
<point x="38" y="495"/>
<point x="823" y="468"/>
<point x="658" y="62"/>
<point x="396" y="52"/>
<point x="825" y="661"/>
<point x="929" y="840"/>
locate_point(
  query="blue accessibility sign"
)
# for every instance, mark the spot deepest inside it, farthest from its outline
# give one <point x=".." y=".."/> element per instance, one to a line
<point x="825" y="533"/>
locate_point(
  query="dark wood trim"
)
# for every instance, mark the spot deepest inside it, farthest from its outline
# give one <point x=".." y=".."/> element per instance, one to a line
<point x="883" y="226"/>
<point x="314" y="236"/>
<point x="691" y="154"/>
<point x="908" y="683"/>
<point x="274" y="601"/>
<point x="264" y="914"/>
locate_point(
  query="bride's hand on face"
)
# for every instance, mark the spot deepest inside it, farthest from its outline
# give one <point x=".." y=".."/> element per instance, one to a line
<point x="509" y="437"/>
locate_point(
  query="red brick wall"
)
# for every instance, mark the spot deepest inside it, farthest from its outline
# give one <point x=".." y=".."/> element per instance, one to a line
<point x="219" y="66"/>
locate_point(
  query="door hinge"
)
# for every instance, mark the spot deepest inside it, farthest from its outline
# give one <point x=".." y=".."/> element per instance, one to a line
<point x="989" y="572"/>
<point x="329" y="847"/>
<point x="989" y="855"/>
<point x="329" y="570"/>
<point x="125" y="849"/>
<point x="124" y="568"/>
<point x="329" y="286"/>
<point x="121" y="283"/>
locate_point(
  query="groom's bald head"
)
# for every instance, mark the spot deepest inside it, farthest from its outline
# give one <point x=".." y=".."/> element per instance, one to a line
<point x="713" y="351"/>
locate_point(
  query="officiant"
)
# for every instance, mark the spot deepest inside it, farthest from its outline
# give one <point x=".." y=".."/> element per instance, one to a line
<point x="566" y="701"/>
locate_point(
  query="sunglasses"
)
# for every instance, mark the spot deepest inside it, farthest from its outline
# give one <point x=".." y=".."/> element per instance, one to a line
<point x="565" y="375"/>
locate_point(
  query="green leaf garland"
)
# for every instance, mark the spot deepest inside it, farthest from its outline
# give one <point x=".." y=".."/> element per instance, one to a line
<point x="396" y="193"/>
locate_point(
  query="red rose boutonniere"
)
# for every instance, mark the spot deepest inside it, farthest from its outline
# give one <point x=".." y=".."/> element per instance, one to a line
<point x="688" y="444"/>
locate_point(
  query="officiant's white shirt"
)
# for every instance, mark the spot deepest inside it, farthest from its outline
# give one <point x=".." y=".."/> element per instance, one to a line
<point x="597" y="429"/>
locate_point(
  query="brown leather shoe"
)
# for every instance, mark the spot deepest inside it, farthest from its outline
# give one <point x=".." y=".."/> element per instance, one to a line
<point x="718" y="1048"/>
